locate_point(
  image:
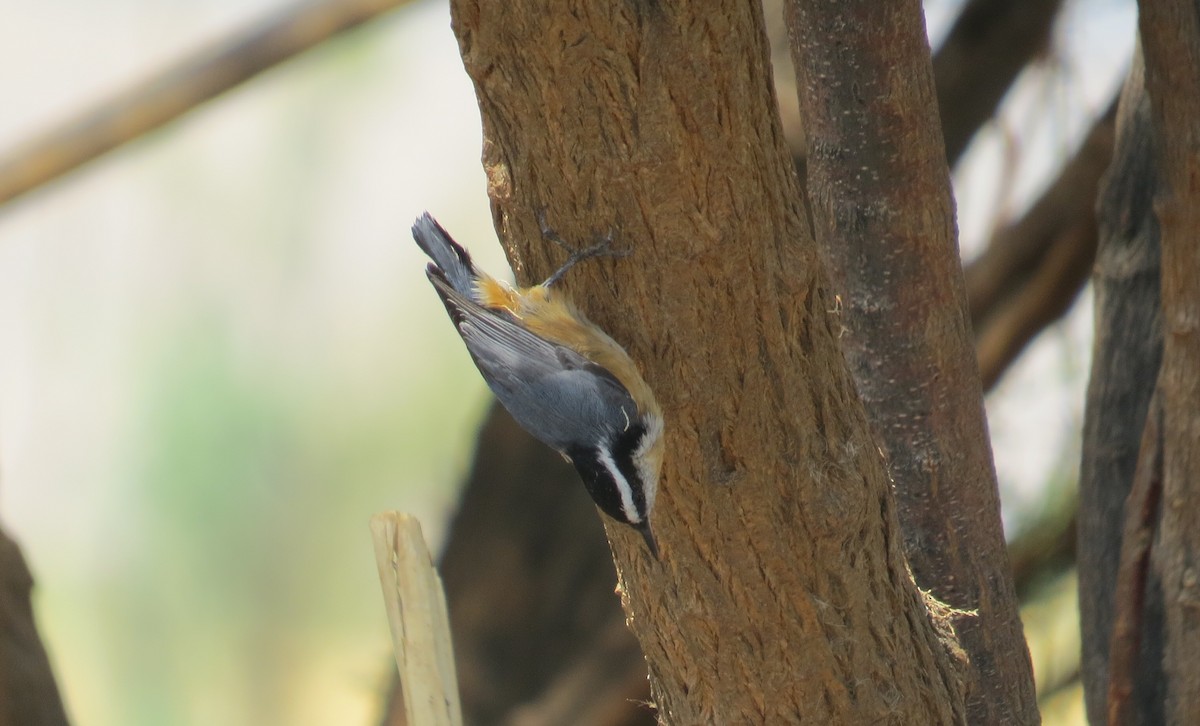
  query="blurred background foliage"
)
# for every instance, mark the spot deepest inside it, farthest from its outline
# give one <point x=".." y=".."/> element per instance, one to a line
<point x="219" y="355"/>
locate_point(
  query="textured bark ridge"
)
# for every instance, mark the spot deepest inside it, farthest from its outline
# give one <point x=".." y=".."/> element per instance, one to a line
<point x="1126" y="357"/>
<point x="783" y="593"/>
<point x="884" y="219"/>
<point x="1170" y="32"/>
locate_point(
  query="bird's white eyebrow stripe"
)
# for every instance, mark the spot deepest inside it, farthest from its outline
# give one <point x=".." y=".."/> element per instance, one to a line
<point x="604" y="456"/>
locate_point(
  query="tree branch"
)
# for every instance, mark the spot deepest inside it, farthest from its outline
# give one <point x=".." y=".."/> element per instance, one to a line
<point x="1170" y="33"/>
<point x="1045" y="546"/>
<point x="884" y="216"/>
<point x="990" y="44"/>
<point x="180" y="89"/>
<point x="1133" y="574"/>
<point x="1032" y="270"/>
<point x="1125" y="363"/>
<point x="1014" y="253"/>
<point x="28" y="693"/>
<point x="1045" y="297"/>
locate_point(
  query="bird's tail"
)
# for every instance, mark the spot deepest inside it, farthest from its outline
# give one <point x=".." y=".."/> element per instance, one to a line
<point x="448" y="255"/>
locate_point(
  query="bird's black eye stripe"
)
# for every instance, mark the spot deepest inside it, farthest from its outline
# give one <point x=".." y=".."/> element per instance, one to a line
<point x="624" y="446"/>
<point x="597" y="480"/>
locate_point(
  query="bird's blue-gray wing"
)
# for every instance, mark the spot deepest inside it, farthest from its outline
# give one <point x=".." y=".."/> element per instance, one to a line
<point x="553" y="392"/>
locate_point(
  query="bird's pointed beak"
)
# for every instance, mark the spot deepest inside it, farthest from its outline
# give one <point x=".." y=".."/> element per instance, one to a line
<point x="647" y="535"/>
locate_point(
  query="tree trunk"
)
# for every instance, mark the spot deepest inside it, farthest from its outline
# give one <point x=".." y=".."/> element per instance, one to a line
<point x="783" y="593"/>
<point x="1125" y="361"/>
<point x="884" y="217"/>
<point x="28" y="693"/>
<point x="1171" y="41"/>
<point x="500" y="490"/>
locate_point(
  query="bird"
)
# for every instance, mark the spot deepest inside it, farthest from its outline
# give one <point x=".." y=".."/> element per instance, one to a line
<point x="563" y="379"/>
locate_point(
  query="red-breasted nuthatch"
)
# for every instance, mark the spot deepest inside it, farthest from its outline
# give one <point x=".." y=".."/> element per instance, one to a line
<point x="563" y="379"/>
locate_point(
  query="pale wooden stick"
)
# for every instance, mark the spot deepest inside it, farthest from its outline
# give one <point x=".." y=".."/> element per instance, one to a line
<point x="416" y="611"/>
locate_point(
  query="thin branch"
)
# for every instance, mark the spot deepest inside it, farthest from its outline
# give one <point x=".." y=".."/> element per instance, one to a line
<point x="416" y="611"/>
<point x="989" y="45"/>
<point x="1046" y="545"/>
<point x="172" y="93"/>
<point x="1046" y="297"/>
<point x="1141" y="522"/>
<point x="529" y="580"/>
<point x="1016" y="251"/>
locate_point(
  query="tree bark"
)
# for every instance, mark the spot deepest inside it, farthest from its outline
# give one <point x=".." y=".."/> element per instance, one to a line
<point x="28" y="693"/>
<point x="986" y="49"/>
<point x="884" y="215"/>
<point x="1142" y="510"/>
<point x="1019" y="317"/>
<point x="1126" y="357"/>
<point x="783" y="593"/>
<point x="1170" y="31"/>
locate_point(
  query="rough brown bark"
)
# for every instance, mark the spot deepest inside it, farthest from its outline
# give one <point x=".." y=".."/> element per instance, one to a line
<point x="782" y="593"/>
<point x="1170" y="32"/>
<point x="1022" y="317"/>
<point x="1126" y="356"/>
<point x="882" y="207"/>
<point x="28" y="693"/>
<point x="1133" y="575"/>
<point x="990" y="43"/>
<point x="985" y="50"/>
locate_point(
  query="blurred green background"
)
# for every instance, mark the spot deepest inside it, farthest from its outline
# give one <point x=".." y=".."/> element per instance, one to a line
<point x="219" y="354"/>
